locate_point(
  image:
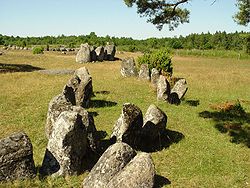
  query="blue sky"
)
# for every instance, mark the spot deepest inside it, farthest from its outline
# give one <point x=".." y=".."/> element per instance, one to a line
<point x="107" y="17"/>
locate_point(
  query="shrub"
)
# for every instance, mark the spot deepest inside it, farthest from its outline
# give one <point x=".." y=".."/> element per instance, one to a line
<point x="160" y="59"/>
<point x="37" y="50"/>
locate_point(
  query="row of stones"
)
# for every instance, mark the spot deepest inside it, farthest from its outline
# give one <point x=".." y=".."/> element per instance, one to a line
<point x="88" y="53"/>
<point x="164" y="91"/>
<point x="71" y="136"/>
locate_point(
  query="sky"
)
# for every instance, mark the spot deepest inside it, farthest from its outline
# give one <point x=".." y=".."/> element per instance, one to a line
<point x="107" y="17"/>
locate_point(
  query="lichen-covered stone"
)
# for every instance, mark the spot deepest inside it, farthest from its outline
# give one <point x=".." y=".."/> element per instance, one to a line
<point x="110" y="163"/>
<point x="144" y="73"/>
<point x="155" y="75"/>
<point x="128" y="67"/>
<point x="138" y="173"/>
<point x="155" y="122"/>
<point x="163" y="88"/>
<point x="180" y="88"/>
<point x="129" y="124"/>
<point x="84" y="54"/>
<point x="66" y="147"/>
<point x="16" y="158"/>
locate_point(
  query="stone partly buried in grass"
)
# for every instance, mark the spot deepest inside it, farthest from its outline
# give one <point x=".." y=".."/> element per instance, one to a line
<point x="16" y="158"/>
<point x="120" y="166"/>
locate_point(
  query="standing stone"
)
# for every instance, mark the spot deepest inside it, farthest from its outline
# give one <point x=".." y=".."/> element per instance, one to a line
<point x="155" y="122"/>
<point x="129" y="125"/>
<point x="82" y="88"/>
<point x="144" y="72"/>
<point x="138" y="173"/>
<point x="163" y="88"/>
<point x="56" y="106"/>
<point x="109" y="52"/>
<point x="100" y="53"/>
<point x="110" y="163"/>
<point x="128" y="67"/>
<point x="66" y="146"/>
<point x="83" y="55"/>
<point x="180" y="88"/>
<point x="155" y="75"/>
<point x="16" y="158"/>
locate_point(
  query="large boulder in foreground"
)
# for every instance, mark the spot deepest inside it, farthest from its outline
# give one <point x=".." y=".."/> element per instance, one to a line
<point x="16" y="158"/>
<point x="84" y="54"/>
<point x="129" y="124"/>
<point x="163" y="88"/>
<point x="66" y="147"/>
<point x="119" y="166"/>
<point x="144" y="73"/>
<point x="110" y="163"/>
<point x="155" y="122"/>
<point x="128" y="67"/>
<point x="138" y="173"/>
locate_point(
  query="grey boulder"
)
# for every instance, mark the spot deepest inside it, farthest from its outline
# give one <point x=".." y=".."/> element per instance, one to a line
<point x="109" y="52"/>
<point x="180" y="88"/>
<point x="155" y="75"/>
<point x="66" y="147"/>
<point x="128" y="67"/>
<point x="138" y="173"/>
<point x="16" y="158"/>
<point x="84" y="54"/>
<point x="144" y="73"/>
<point x="100" y="53"/>
<point x="155" y="122"/>
<point x="163" y="88"/>
<point x="113" y="160"/>
<point x="129" y="125"/>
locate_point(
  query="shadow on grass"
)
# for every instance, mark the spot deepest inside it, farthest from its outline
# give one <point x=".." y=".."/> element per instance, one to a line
<point x="101" y="103"/>
<point x="192" y="102"/>
<point x="5" y="68"/>
<point x="232" y="120"/>
<point x="160" y="181"/>
<point x="164" y="140"/>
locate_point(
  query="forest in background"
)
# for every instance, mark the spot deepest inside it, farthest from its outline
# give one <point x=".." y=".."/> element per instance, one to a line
<point x="238" y="41"/>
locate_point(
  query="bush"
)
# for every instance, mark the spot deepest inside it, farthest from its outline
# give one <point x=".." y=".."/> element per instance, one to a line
<point x="37" y="50"/>
<point x="160" y="59"/>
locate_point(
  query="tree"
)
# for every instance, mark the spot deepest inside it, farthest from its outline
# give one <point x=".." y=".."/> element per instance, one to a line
<point x="242" y="17"/>
<point x="169" y="12"/>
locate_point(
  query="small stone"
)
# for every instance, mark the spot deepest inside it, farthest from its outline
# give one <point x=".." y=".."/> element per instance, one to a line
<point x="180" y="88"/>
<point x="163" y="88"/>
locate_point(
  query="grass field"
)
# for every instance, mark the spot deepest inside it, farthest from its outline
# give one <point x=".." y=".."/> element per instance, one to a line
<point x="204" y="157"/>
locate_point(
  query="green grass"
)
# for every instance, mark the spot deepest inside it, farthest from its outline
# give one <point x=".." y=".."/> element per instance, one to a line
<point x="214" y="53"/>
<point x="204" y="158"/>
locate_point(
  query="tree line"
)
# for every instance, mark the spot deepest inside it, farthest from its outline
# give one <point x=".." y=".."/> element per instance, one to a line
<point x="203" y="41"/>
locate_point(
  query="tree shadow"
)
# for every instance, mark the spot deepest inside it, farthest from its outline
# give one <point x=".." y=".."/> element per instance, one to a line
<point x="233" y="121"/>
<point x="194" y="103"/>
<point x="5" y="68"/>
<point x="101" y="103"/>
<point x="160" y="181"/>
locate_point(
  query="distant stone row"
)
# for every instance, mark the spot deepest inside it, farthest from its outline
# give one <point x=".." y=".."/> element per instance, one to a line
<point x="89" y="53"/>
<point x="59" y="49"/>
<point x="164" y="91"/>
